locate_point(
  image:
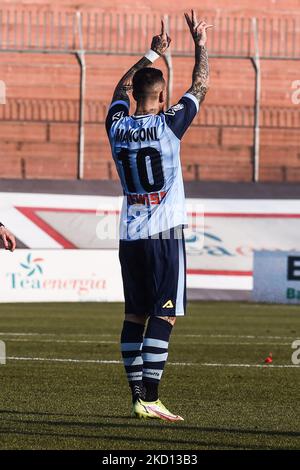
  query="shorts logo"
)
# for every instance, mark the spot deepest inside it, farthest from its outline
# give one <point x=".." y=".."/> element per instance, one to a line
<point x="118" y="115"/>
<point x="168" y="304"/>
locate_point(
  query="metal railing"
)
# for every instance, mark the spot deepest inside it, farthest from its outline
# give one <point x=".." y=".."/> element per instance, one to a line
<point x="36" y="30"/>
<point x="114" y="33"/>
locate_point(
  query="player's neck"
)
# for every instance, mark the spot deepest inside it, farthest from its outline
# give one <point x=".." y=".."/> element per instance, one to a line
<point x="143" y="109"/>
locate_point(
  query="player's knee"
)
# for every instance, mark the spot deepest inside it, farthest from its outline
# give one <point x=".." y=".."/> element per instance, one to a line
<point x="140" y="319"/>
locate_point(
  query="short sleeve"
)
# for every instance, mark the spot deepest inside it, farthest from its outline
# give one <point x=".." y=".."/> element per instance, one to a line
<point x="180" y="116"/>
<point x="117" y="110"/>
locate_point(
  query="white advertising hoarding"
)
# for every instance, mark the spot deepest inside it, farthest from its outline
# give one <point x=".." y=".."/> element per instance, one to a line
<point x="276" y="277"/>
<point x="220" y="240"/>
<point x="60" y="275"/>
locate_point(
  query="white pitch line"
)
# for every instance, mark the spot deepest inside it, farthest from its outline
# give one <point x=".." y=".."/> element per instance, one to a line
<point x="260" y="306"/>
<point x="4" y="333"/>
<point x="100" y="335"/>
<point x="179" y="335"/>
<point x="193" y="364"/>
<point x="269" y="366"/>
<point x="237" y="336"/>
<point x="210" y="343"/>
<point x="19" y="340"/>
<point x="54" y="359"/>
<point x="206" y="364"/>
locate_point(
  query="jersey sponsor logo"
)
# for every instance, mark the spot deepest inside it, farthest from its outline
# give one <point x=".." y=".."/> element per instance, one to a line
<point x="150" y="199"/>
<point x="168" y="304"/>
<point x="118" y="116"/>
<point x="136" y="135"/>
<point x="174" y="109"/>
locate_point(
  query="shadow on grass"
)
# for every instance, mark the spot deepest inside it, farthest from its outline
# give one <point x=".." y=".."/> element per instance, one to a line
<point x="192" y="444"/>
<point x="17" y="418"/>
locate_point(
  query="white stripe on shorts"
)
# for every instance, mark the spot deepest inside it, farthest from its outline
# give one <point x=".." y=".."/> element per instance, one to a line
<point x="179" y="311"/>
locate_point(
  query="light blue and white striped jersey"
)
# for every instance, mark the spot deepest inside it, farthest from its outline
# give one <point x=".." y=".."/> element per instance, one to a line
<point x="146" y="151"/>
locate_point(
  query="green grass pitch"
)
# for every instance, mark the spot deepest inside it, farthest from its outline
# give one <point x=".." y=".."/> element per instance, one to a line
<point x="211" y="379"/>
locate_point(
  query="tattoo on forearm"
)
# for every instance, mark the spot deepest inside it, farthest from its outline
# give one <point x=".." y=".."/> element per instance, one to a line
<point x="121" y="93"/>
<point x="125" y="84"/>
<point x="199" y="86"/>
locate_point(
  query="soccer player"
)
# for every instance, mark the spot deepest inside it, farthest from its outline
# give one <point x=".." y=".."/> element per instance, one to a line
<point x="7" y="238"/>
<point x="146" y="151"/>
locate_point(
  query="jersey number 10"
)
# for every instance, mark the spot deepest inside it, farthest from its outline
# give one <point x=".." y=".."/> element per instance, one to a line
<point x="154" y="157"/>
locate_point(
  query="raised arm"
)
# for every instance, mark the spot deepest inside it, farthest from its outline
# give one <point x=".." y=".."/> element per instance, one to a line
<point x="125" y="84"/>
<point x="159" y="45"/>
<point x="200" y="81"/>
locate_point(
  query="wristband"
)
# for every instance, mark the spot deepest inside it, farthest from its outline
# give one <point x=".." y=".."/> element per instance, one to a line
<point x="152" y="55"/>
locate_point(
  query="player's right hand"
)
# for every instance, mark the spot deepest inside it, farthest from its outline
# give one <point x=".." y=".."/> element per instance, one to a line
<point x="161" y="42"/>
<point x="198" y="29"/>
<point x="7" y="239"/>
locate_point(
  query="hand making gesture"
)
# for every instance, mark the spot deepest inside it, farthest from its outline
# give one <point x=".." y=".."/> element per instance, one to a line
<point x="198" y="29"/>
<point x="161" y="42"/>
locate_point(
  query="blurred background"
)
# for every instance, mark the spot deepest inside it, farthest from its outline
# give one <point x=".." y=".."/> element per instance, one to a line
<point x="39" y="124"/>
<point x="59" y="64"/>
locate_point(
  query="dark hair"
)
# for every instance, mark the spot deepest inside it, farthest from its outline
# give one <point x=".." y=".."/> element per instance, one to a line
<point x="144" y="79"/>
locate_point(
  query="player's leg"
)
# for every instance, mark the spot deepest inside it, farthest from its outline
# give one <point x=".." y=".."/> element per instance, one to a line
<point x="155" y="353"/>
<point x="132" y="337"/>
<point x="134" y="322"/>
<point x="168" y="301"/>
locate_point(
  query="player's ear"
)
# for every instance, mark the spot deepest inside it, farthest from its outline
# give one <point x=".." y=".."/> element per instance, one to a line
<point x="162" y="97"/>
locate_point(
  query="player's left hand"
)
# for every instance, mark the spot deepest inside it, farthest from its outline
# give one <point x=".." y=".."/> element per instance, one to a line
<point x="8" y="239"/>
<point x="198" y="29"/>
<point x="161" y="42"/>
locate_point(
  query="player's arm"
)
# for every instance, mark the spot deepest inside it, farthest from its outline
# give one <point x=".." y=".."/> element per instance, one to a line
<point x="180" y="116"/>
<point x="159" y="45"/>
<point x="7" y="238"/>
<point x="125" y="84"/>
<point x="120" y="102"/>
<point x="200" y="80"/>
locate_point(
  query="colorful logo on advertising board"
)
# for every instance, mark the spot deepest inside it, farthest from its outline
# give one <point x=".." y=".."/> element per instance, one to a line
<point x="32" y="275"/>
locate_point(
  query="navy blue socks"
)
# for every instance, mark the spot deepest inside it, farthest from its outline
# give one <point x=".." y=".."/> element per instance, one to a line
<point x="145" y="357"/>
<point x="131" y="347"/>
<point x="155" y="354"/>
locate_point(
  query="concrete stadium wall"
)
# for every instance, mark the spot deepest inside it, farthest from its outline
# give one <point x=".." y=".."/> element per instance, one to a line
<point x="44" y="144"/>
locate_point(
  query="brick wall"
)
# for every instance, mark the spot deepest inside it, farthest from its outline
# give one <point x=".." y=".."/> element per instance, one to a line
<point x="39" y="123"/>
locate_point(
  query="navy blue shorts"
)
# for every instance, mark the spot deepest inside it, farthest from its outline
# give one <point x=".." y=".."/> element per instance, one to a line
<point x="154" y="274"/>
